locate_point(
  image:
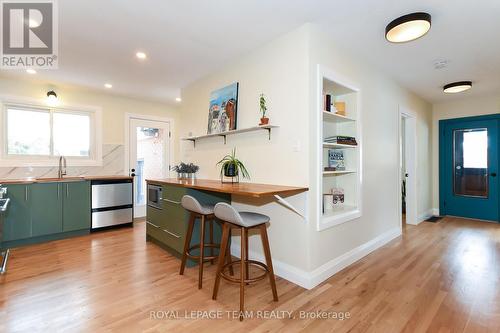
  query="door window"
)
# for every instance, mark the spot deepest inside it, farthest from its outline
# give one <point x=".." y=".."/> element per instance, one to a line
<point x="470" y="162"/>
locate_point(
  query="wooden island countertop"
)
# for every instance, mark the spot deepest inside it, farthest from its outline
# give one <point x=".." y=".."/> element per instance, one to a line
<point x="244" y="189"/>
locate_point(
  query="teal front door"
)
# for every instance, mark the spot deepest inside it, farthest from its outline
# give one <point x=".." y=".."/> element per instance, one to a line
<point x="469" y="185"/>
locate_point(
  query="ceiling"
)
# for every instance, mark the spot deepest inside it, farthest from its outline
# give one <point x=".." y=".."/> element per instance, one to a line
<point x="187" y="39"/>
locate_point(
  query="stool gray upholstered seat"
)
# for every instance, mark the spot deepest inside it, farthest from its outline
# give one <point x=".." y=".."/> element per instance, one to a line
<point x="244" y="221"/>
<point x="228" y="213"/>
<point x="205" y="214"/>
<point x="193" y="205"/>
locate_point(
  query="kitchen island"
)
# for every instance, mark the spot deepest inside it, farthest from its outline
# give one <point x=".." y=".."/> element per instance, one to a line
<point x="167" y="220"/>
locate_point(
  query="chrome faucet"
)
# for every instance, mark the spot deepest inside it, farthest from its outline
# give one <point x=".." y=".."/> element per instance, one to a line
<point x="3" y="191"/>
<point x="62" y="167"/>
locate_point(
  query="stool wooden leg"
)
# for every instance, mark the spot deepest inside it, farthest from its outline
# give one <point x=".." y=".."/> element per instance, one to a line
<point x="269" y="261"/>
<point x="202" y="252"/>
<point x="222" y="254"/>
<point x="212" y="240"/>
<point x="187" y="242"/>
<point x="243" y="271"/>
<point x="228" y="254"/>
<point x="246" y="256"/>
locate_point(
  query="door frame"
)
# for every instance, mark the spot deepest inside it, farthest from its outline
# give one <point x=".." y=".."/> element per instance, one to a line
<point x="131" y="116"/>
<point x="410" y="142"/>
<point x="442" y="124"/>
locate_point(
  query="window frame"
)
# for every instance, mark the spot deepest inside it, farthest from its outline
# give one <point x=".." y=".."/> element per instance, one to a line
<point x="95" y="135"/>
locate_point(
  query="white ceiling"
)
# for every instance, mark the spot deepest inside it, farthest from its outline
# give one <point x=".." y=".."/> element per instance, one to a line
<point x="187" y="39"/>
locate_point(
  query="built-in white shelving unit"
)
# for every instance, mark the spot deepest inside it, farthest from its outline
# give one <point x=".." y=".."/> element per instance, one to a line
<point x="332" y="124"/>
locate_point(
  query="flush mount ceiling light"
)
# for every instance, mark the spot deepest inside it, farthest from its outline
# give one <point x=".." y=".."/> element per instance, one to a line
<point x="108" y="85"/>
<point x="31" y="71"/>
<point x="457" y="87"/>
<point x="408" y="27"/>
<point x="141" y="55"/>
<point x="178" y="99"/>
<point x="52" y="98"/>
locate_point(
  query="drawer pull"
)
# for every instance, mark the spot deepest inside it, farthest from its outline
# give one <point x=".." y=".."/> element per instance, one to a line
<point x="172" y="201"/>
<point x="171" y="233"/>
<point x="154" y="225"/>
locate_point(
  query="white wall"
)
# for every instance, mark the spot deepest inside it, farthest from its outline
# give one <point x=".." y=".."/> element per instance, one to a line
<point x="381" y="100"/>
<point x="279" y="70"/>
<point x="457" y="108"/>
<point x="285" y="71"/>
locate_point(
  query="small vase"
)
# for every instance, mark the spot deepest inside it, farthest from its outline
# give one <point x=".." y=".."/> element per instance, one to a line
<point x="264" y="121"/>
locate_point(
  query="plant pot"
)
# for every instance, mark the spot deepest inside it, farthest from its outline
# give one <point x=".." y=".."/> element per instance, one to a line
<point x="230" y="170"/>
<point x="264" y="121"/>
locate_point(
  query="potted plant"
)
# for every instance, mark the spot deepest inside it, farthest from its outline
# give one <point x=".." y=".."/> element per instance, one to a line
<point x="186" y="170"/>
<point x="263" y="108"/>
<point x="232" y="167"/>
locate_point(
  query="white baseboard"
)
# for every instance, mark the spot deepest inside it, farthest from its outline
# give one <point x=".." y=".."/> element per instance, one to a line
<point x="311" y="279"/>
<point x="435" y="211"/>
<point x="425" y="216"/>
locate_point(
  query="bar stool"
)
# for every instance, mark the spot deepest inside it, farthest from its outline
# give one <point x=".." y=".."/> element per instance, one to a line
<point x="206" y="214"/>
<point x="244" y="221"/>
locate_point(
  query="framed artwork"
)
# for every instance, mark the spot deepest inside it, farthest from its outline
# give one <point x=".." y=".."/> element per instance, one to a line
<point x="223" y="110"/>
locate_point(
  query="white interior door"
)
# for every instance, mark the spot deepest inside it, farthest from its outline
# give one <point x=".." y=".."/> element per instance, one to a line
<point x="408" y="130"/>
<point x="149" y="157"/>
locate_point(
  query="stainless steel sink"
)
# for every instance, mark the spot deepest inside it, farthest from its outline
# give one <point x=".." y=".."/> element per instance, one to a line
<point x="4" y="203"/>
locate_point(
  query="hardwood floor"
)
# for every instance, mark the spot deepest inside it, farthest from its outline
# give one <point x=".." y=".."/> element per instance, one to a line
<point x="438" y="277"/>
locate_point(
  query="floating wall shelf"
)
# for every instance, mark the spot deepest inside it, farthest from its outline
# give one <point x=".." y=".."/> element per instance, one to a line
<point x="268" y="128"/>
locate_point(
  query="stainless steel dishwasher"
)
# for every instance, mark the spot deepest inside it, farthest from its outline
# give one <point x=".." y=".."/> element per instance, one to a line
<point x="112" y="203"/>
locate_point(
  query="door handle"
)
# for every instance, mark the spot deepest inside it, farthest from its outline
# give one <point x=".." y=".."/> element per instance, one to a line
<point x="493" y="174"/>
<point x="171" y="233"/>
<point x="172" y="201"/>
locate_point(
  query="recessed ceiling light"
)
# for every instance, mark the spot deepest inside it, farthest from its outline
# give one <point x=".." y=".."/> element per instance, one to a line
<point x="108" y="85"/>
<point x="456" y="87"/>
<point x="31" y="71"/>
<point x="178" y="99"/>
<point x="141" y="55"/>
<point x="408" y="27"/>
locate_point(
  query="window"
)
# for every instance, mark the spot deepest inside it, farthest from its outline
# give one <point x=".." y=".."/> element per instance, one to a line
<point x="38" y="136"/>
<point x="475" y="149"/>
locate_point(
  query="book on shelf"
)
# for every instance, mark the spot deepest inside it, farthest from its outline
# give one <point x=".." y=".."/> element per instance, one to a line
<point x="327" y="102"/>
<point x="336" y="160"/>
<point x="344" y="140"/>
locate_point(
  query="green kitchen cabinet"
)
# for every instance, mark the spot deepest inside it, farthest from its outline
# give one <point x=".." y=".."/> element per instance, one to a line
<point x="46" y="209"/>
<point x="17" y="218"/>
<point x="167" y="226"/>
<point x="76" y="206"/>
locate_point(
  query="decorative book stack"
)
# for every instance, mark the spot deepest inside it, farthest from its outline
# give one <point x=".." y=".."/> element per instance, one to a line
<point x="343" y="140"/>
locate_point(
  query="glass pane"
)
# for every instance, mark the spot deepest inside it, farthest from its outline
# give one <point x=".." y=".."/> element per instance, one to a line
<point x="470" y="162"/>
<point x="150" y="158"/>
<point x="71" y="134"/>
<point x="28" y="132"/>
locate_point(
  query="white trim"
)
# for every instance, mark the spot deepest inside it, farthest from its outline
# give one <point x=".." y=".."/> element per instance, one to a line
<point x="424" y="216"/>
<point x="95" y="112"/>
<point x="309" y="280"/>
<point x="411" y="165"/>
<point x="435" y="211"/>
<point x="323" y="72"/>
